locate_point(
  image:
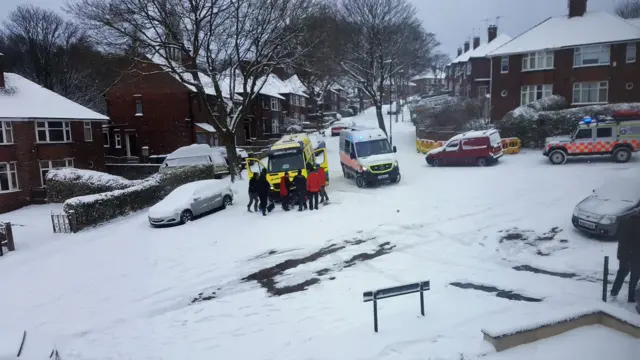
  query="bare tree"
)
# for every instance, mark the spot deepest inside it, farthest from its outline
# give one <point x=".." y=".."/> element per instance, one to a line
<point x="438" y="66"/>
<point x="385" y="38"/>
<point x="224" y="49"/>
<point x="43" y="47"/>
<point x="628" y="9"/>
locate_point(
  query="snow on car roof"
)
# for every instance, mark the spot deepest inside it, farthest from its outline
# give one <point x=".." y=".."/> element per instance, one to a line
<point x="24" y="99"/>
<point x="562" y="32"/>
<point x="364" y="134"/>
<point x="620" y="189"/>
<point x="474" y="134"/>
<point x="196" y="150"/>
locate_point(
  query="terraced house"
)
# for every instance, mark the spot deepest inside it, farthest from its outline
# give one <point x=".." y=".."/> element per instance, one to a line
<point x="589" y="58"/>
<point x="39" y="131"/>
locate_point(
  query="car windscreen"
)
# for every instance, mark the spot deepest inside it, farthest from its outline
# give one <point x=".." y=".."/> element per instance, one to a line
<point x="186" y="161"/>
<point x="373" y="147"/>
<point x="285" y="160"/>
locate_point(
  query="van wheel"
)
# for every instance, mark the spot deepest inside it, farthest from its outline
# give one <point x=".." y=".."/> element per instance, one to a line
<point x="344" y="172"/>
<point x="622" y="155"/>
<point x="186" y="216"/>
<point x="482" y="162"/>
<point x="396" y="179"/>
<point x="557" y="157"/>
<point x="226" y="201"/>
<point x="360" y="182"/>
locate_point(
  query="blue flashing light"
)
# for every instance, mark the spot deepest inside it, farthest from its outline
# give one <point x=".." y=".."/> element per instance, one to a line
<point x="350" y="137"/>
<point x="587" y="120"/>
<point x="360" y="137"/>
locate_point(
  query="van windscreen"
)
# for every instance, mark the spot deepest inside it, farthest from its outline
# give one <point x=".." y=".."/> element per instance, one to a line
<point x="373" y="147"/>
<point x="285" y="160"/>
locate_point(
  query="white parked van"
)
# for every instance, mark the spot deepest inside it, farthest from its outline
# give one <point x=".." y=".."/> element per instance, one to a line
<point x="367" y="156"/>
<point x="195" y="154"/>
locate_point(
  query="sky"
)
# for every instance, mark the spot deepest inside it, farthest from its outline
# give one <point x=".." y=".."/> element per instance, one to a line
<point x="453" y="21"/>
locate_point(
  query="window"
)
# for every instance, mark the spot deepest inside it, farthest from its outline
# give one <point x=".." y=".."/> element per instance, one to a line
<point x="302" y="101"/>
<point x="590" y="92"/>
<point x="138" y="107"/>
<point x="631" y="52"/>
<point x="275" y="126"/>
<point x="46" y="165"/>
<point x="482" y="91"/>
<point x="88" y="135"/>
<point x="504" y="64"/>
<point x="591" y="55"/>
<point x="274" y="104"/>
<point x="540" y="60"/>
<point x="118" y="140"/>
<point x="201" y="138"/>
<point x="105" y="136"/>
<point x="531" y="93"/>
<point x="584" y="134"/>
<point x="53" y="131"/>
<point x="604" y="132"/>
<point x="453" y="145"/>
<point x="296" y="100"/>
<point x="6" y="132"/>
<point x="8" y="177"/>
<point x="302" y="118"/>
<point x="469" y="68"/>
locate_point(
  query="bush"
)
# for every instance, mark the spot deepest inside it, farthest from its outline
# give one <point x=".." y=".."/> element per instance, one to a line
<point x="67" y="183"/>
<point x="534" y="122"/>
<point x="95" y="209"/>
<point x="448" y="112"/>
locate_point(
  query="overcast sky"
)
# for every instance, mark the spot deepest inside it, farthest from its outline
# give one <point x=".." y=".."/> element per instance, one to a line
<point x="453" y="21"/>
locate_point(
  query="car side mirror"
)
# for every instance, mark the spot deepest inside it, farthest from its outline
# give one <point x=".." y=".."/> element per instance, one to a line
<point x="395" y="149"/>
<point x="352" y="156"/>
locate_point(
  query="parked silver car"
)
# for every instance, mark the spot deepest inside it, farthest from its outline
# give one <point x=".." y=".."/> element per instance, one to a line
<point x="190" y="200"/>
<point x="600" y="212"/>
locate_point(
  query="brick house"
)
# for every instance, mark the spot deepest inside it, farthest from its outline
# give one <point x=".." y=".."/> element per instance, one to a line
<point x="470" y="73"/>
<point x="297" y="102"/>
<point x="593" y="62"/>
<point x="41" y="130"/>
<point x="427" y="83"/>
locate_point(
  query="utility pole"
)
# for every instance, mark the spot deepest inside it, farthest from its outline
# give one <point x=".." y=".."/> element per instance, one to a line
<point x="390" y="104"/>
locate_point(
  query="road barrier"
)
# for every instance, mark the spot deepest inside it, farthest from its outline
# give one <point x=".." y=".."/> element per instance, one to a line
<point x="386" y="293"/>
<point x="511" y="145"/>
<point x="424" y="145"/>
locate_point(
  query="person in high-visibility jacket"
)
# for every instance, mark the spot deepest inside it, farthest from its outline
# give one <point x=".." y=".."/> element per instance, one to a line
<point x="323" y="180"/>
<point x="313" y="188"/>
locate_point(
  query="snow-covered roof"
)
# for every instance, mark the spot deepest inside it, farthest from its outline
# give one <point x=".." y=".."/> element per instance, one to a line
<point x="273" y="86"/>
<point x="425" y="75"/>
<point x="24" y="99"/>
<point x="206" y="127"/>
<point x="295" y="86"/>
<point x="562" y="32"/>
<point x="482" y="50"/>
<point x="634" y="22"/>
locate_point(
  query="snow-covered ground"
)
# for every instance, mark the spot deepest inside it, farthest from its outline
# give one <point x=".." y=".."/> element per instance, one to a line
<point x="128" y="291"/>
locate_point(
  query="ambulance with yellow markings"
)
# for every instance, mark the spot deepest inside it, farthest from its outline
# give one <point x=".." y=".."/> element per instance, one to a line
<point x="617" y="136"/>
<point x="367" y="157"/>
<point x="291" y="153"/>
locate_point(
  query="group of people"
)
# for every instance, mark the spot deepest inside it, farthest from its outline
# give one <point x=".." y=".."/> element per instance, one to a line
<point x="298" y="191"/>
<point x="628" y="235"/>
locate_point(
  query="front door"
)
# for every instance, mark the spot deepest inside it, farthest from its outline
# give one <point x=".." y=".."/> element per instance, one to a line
<point x="127" y="142"/>
<point x="450" y="155"/>
<point x="583" y="142"/>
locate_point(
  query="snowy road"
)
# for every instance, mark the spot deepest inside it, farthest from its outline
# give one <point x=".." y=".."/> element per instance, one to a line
<point x="124" y="290"/>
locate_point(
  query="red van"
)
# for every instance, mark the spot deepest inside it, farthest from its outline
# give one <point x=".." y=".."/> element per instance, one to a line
<point x="479" y="148"/>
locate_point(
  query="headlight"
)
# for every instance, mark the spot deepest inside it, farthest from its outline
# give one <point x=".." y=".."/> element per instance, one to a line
<point x="363" y="168"/>
<point x="395" y="163"/>
<point x="576" y="211"/>
<point x="608" y="220"/>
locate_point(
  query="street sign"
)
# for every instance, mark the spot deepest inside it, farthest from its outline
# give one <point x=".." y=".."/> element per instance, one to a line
<point x="390" y="292"/>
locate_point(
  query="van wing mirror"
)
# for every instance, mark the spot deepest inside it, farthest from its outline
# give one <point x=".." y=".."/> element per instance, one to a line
<point x="352" y="156"/>
<point x="395" y="149"/>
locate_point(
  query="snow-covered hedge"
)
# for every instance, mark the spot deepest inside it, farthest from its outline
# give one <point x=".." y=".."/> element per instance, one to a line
<point x="67" y="183"/>
<point x="534" y="122"/>
<point x="95" y="209"/>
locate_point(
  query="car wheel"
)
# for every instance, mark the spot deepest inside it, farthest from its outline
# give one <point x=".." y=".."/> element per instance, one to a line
<point x="622" y="155"/>
<point x="360" y="182"/>
<point x="186" y="216"/>
<point x="396" y="179"/>
<point x="226" y="201"/>
<point x="558" y="157"/>
<point x="482" y="162"/>
<point x="435" y="162"/>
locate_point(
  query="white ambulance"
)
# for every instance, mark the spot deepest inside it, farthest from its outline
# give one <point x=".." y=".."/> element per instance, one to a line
<point x="367" y="156"/>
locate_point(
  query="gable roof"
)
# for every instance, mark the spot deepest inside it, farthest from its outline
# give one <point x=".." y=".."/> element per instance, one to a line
<point x="425" y="75"/>
<point x="482" y="50"/>
<point x="563" y="32"/>
<point x="24" y="99"/>
<point x="295" y="86"/>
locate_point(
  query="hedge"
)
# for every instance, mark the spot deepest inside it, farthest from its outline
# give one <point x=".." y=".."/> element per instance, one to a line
<point x="95" y="209"/>
<point x="67" y="183"/>
<point x="534" y="122"/>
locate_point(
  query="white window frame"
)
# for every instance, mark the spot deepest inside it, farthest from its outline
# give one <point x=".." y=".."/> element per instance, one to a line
<point x="580" y="87"/>
<point x="274" y="104"/>
<point x="86" y="125"/>
<point x="275" y="126"/>
<point x="486" y="91"/>
<point x="44" y="126"/>
<point x="504" y="63"/>
<point x="631" y="52"/>
<point x="529" y="93"/>
<point x="469" y="68"/>
<point x="543" y="60"/>
<point x="68" y="162"/>
<point x="108" y="138"/>
<point x="6" y="128"/>
<point x="12" y="176"/>
<point x="138" y="102"/>
<point x="580" y="52"/>
<point x="117" y="139"/>
<point x="303" y="101"/>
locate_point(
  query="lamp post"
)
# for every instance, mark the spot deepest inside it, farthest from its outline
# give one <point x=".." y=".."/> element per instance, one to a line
<point x="390" y="62"/>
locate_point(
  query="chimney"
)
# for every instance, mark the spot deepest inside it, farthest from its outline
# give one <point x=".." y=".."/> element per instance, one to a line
<point x="577" y="8"/>
<point x="459" y="51"/>
<point x="1" y="72"/>
<point x="492" y="33"/>
<point x="476" y="42"/>
<point x="466" y="46"/>
<point x="187" y="61"/>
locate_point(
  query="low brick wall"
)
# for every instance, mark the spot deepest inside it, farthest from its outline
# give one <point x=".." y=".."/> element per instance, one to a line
<point x="132" y="171"/>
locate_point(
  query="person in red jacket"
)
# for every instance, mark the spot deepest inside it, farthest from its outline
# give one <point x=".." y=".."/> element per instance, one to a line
<point x="323" y="180"/>
<point x="313" y="188"/>
<point x="285" y="187"/>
